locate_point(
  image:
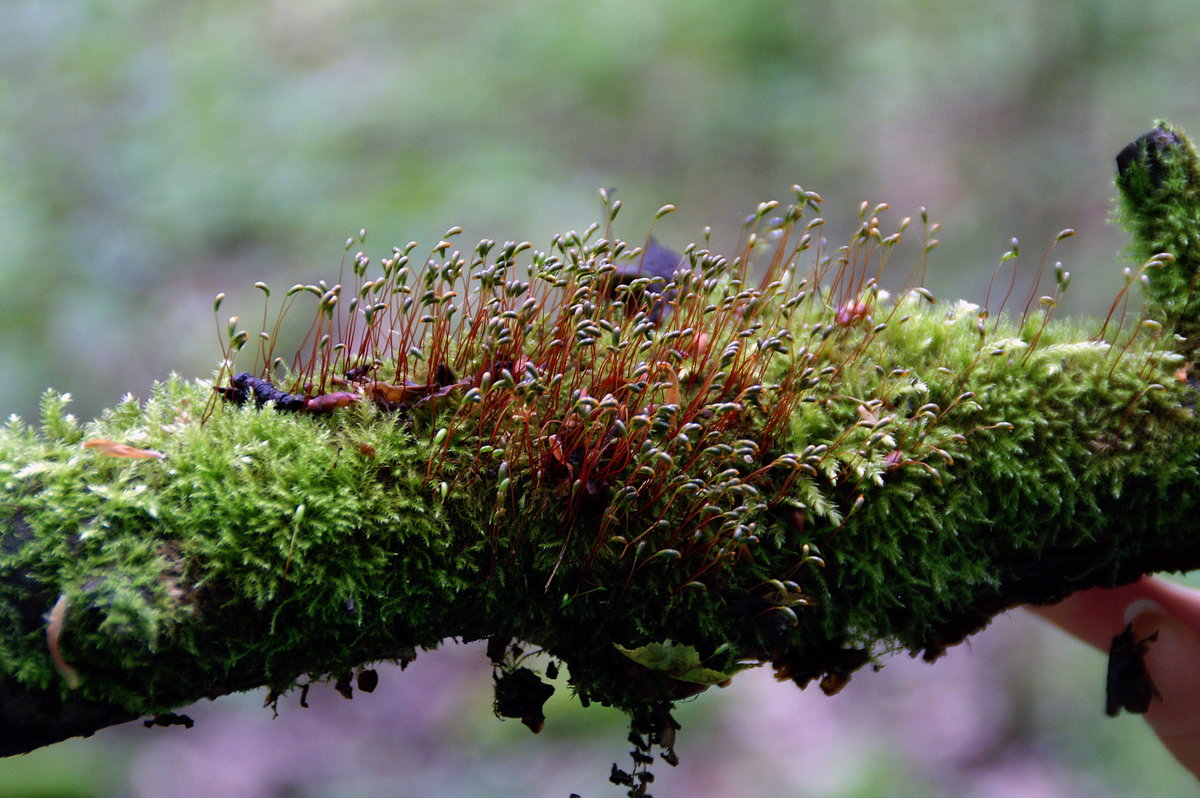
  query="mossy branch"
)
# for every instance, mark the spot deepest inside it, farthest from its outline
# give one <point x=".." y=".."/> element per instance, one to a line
<point x="657" y="485"/>
<point x="1158" y="176"/>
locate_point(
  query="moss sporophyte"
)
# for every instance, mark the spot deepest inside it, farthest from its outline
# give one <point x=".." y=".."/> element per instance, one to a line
<point x="656" y="467"/>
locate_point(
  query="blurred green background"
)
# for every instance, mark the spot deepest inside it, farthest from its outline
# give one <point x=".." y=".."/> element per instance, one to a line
<point x="155" y="153"/>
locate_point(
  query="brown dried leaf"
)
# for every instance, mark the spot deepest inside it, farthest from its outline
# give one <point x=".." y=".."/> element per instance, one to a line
<point x="674" y="395"/>
<point x="54" y="630"/>
<point x="386" y="392"/>
<point x="114" y="449"/>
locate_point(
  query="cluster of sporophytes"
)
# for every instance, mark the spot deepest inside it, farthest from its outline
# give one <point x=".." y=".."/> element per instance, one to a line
<point x="658" y="468"/>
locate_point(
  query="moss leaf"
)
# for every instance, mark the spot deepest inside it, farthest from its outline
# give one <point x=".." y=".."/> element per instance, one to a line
<point x="677" y="661"/>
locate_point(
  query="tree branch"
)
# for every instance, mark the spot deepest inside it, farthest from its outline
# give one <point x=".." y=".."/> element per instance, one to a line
<point x="657" y="484"/>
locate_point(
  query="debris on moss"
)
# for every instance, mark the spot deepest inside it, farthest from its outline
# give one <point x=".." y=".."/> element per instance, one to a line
<point x="655" y="467"/>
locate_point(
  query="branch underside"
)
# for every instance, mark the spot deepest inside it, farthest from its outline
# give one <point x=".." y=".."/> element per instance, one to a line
<point x="32" y="718"/>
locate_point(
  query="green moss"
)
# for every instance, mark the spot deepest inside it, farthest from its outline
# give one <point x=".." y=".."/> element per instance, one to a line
<point x="1159" y="181"/>
<point x="777" y="474"/>
<point x="310" y="555"/>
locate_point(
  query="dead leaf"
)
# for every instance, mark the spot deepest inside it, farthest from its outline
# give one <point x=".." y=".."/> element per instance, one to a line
<point x="114" y="449"/>
<point x="386" y="392"/>
<point x="673" y="394"/>
<point x="54" y="630"/>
